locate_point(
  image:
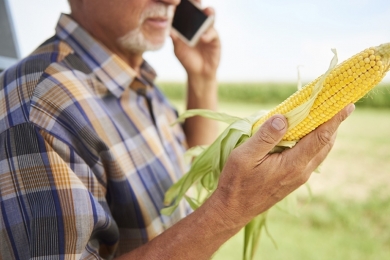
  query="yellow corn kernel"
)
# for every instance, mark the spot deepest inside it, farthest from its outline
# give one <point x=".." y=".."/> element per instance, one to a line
<point x="340" y="89"/>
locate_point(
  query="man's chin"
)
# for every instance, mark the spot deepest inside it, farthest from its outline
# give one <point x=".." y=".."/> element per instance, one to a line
<point x="137" y="43"/>
<point x="139" y="49"/>
<point x="156" y="47"/>
<point x="154" y="43"/>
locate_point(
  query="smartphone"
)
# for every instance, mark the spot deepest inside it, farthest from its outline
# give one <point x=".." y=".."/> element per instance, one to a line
<point x="189" y="21"/>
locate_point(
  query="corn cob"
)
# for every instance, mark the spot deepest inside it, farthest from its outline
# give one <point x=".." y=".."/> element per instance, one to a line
<point x="345" y="84"/>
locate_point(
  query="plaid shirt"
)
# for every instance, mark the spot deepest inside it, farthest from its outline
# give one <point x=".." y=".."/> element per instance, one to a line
<point x="87" y="152"/>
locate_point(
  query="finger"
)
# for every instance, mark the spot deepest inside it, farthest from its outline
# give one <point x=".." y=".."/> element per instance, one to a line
<point x="173" y="35"/>
<point x="209" y="11"/>
<point x="267" y="137"/>
<point x="209" y="35"/>
<point x="320" y="157"/>
<point x="314" y="142"/>
<point x="177" y="42"/>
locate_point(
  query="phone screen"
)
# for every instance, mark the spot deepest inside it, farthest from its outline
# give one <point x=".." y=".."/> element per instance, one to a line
<point x="188" y="19"/>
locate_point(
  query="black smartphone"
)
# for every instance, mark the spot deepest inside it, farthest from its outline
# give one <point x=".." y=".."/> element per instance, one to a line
<point x="190" y="22"/>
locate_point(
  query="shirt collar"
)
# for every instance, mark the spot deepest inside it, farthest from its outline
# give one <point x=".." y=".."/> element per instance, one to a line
<point x="114" y="73"/>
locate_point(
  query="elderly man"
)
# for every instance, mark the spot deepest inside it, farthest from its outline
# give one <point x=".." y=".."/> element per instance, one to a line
<point x="87" y="150"/>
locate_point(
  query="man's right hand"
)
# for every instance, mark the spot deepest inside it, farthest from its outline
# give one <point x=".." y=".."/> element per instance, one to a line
<point x="253" y="180"/>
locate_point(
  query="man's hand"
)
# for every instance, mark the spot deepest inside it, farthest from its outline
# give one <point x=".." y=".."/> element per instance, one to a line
<point x="203" y="59"/>
<point x="253" y="180"/>
<point x="201" y="63"/>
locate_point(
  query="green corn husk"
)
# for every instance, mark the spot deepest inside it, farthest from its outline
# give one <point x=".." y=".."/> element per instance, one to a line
<point x="206" y="168"/>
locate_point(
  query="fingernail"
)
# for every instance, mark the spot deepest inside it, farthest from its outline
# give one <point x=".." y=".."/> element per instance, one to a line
<point x="278" y="124"/>
<point x="351" y="108"/>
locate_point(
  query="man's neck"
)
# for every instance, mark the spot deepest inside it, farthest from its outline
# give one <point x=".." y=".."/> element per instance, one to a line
<point x="134" y="60"/>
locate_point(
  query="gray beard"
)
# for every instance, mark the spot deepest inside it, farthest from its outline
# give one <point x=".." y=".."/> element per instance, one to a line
<point x="135" y="42"/>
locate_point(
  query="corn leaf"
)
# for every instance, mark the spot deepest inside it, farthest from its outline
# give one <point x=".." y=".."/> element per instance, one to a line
<point x="208" y="165"/>
<point x="193" y="152"/>
<point x="194" y="204"/>
<point x="222" y="117"/>
<point x="252" y="233"/>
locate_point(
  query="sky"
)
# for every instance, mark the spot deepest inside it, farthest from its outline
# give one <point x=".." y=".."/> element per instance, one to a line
<point x="261" y="40"/>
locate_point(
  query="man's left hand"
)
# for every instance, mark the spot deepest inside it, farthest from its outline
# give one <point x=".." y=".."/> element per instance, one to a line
<point x="203" y="59"/>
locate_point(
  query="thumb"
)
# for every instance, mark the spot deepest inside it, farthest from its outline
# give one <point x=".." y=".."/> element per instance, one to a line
<point x="268" y="136"/>
<point x="173" y="35"/>
<point x="177" y="42"/>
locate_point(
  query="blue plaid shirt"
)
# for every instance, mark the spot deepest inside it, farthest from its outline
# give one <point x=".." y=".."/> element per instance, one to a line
<point x="87" y="152"/>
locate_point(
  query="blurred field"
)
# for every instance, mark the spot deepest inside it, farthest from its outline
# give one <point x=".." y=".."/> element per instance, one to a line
<point x="347" y="216"/>
<point x="271" y="93"/>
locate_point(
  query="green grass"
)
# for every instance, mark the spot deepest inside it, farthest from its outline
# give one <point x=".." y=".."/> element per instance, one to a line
<point x="238" y="92"/>
<point x="325" y="229"/>
<point x="270" y="93"/>
<point x="347" y="216"/>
